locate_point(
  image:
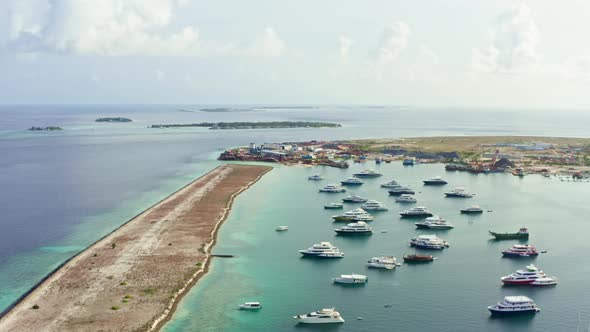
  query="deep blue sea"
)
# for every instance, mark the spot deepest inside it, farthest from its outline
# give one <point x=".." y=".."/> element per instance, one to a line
<point x="63" y="190"/>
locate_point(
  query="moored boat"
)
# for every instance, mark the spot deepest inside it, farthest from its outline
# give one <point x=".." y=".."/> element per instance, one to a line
<point x="333" y="206"/>
<point x="323" y="316"/>
<point x="418" y="211"/>
<point x="373" y="205"/>
<point x="390" y="184"/>
<point x="401" y="190"/>
<point x="459" y="192"/>
<point x="521" y="250"/>
<point x="250" y="306"/>
<point x="415" y="258"/>
<point x="409" y="162"/>
<point x="352" y="182"/>
<point x="323" y="250"/>
<point x="544" y="282"/>
<point x="282" y="228"/>
<point x="513" y="305"/>
<point x="428" y="242"/>
<point x="350" y="279"/>
<point x="368" y="173"/>
<point x="354" y="199"/>
<point x="358" y="228"/>
<point x="522" y="234"/>
<point x="331" y="188"/>
<point x="434" y="222"/>
<point x="357" y="214"/>
<point x="406" y="198"/>
<point x="315" y="177"/>
<point x="435" y="181"/>
<point x="383" y="262"/>
<point x="475" y="209"/>
<point x="524" y="277"/>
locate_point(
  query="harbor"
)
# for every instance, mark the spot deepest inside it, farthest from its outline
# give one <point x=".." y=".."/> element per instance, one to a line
<point x="132" y="278"/>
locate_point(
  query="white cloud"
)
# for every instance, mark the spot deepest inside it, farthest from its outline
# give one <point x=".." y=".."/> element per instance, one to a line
<point x="267" y="44"/>
<point x="344" y="45"/>
<point x="160" y="74"/>
<point x="394" y="40"/>
<point x="427" y="56"/>
<point x="514" y="38"/>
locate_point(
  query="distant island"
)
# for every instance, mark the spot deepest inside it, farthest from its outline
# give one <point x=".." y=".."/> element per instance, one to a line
<point x="252" y="125"/>
<point x="117" y="119"/>
<point x="49" y="128"/>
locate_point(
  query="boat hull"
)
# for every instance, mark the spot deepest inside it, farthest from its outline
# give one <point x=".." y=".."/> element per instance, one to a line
<point x="500" y="313"/>
<point x="401" y="192"/>
<point x="422" y="215"/>
<point x="341" y="232"/>
<point x="509" y="236"/>
<point x="471" y="212"/>
<point x="417" y="261"/>
<point x="512" y="254"/>
<point x="317" y="321"/>
<point x="434" y="183"/>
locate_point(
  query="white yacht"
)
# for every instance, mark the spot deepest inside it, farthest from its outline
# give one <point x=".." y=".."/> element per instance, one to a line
<point x="315" y="177"/>
<point x="545" y="281"/>
<point x="282" y="228"/>
<point x="323" y="316"/>
<point x="359" y="227"/>
<point x="514" y="305"/>
<point x="525" y="276"/>
<point x="459" y="192"/>
<point x="323" y="249"/>
<point x="332" y="188"/>
<point x="401" y="190"/>
<point x="383" y="262"/>
<point x="354" y="199"/>
<point x="357" y="214"/>
<point x="390" y="184"/>
<point x="434" y="222"/>
<point x="250" y="306"/>
<point x="368" y="173"/>
<point x="435" y="181"/>
<point x="333" y="206"/>
<point x="475" y="209"/>
<point x="350" y="279"/>
<point x="406" y="198"/>
<point x="352" y="182"/>
<point x="373" y="205"/>
<point x="428" y="242"/>
<point x="418" y="211"/>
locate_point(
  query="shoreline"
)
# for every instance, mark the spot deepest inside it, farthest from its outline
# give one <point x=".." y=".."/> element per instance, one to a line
<point x="89" y="287"/>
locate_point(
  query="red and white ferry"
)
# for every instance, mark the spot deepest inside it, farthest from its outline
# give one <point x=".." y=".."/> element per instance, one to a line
<point x="521" y="250"/>
<point x="524" y="277"/>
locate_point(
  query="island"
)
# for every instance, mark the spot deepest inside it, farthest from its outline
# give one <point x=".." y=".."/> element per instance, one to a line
<point x="117" y="119"/>
<point x="252" y="125"/>
<point x="49" y="128"/>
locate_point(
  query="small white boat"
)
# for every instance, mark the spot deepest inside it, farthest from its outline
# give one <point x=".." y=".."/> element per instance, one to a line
<point x="331" y="188"/>
<point x="383" y="262"/>
<point x="333" y="206"/>
<point x="352" y="182"/>
<point x="250" y="306"/>
<point x="434" y="222"/>
<point x="315" y="177"/>
<point x="373" y="205"/>
<point x="459" y="192"/>
<point x="390" y="184"/>
<point x="323" y="316"/>
<point x="350" y="279"/>
<point x="406" y="198"/>
<point x="282" y="228"/>
<point x="543" y="282"/>
<point x="354" y="199"/>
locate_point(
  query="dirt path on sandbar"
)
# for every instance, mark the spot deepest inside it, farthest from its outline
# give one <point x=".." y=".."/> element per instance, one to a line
<point x="132" y="279"/>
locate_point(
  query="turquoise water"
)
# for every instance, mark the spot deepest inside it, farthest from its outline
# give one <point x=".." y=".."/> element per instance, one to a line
<point x="450" y="294"/>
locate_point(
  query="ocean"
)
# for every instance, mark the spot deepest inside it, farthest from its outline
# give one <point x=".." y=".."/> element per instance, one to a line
<point x="63" y="190"/>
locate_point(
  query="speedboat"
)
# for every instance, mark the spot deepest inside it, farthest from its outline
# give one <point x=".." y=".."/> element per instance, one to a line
<point x="368" y="173"/>
<point x="322" y="250"/>
<point x="359" y="227"/>
<point x="315" y="177"/>
<point x="475" y="209"/>
<point x="401" y="190"/>
<point x="323" y="316"/>
<point x="282" y="228"/>
<point x="409" y="162"/>
<point x="419" y="211"/>
<point x="428" y="242"/>
<point x="383" y="262"/>
<point x="332" y="188"/>
<point x="459" y="192"/>
<point x="373" y="205"/>
<point x="524" y="277"/>
<point x="357" y="214"/>
<point x="543" y="282"/>
<point x="352" y="182"/>
<point x="521" y="250"/>
<point x="415" y="258"/>
<point x="390" y="184"/>
<point x="333" y="206"/>
<point x="406" y="198"/>
<point x="250" y="306"/>
<point x="354" y="199"/>
<point x="435" y="181"/>
<point x="434" y="222"/>
<point x="514" y="305"/>
<point x="350" y="279"/>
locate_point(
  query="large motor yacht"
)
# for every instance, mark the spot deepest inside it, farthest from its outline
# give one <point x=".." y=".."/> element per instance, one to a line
<point x="315" y="177"/>
<point x="406" y="198"/>
<point x="357" y="214"/>
<point x="373" y="205"/>
<point x="475" y="209"/>
<point x="418" y="211"/>
<point x="459" y="192"/>
<point x="354" y="199"/>
<point x="521" y="250"/>
<point x="323" y="316"/>
<point x="359" y="227"/>
<point x="524" y="277"/>
<point x="434" y="222"/>
<point x="401" y="190"/>
<point x="383" y="262"/>
<point x="435" y="181"/>
<point x="368" y="173"/>
<point x="428" y="242"/>
<point x="322" y="250"/>
<point x="333" y="206"/>
<point x="390" y="184"/>
<point x="332" y="188"/>
<point x="352" y="182"/>
<point x="350" y="279"/>
<point x="514" y="305"/>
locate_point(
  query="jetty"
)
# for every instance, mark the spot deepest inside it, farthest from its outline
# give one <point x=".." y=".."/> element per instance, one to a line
<point x="133" y="278"/>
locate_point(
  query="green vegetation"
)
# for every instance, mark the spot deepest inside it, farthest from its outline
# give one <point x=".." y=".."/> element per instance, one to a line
<point x="127" y="297"/>
<point x="253" y="125"/>
<point x="123" y="283"/>
<point x="35" y="307"/>
<point x="113" y="246"/>
<point x="115" y="307"/>
<point x="110" y="277"/>
<point x="199" y="264"/>
<point x="149" y="291"/>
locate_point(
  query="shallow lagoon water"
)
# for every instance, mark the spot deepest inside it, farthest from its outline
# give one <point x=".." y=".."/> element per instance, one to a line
<point x="451" y="294"/>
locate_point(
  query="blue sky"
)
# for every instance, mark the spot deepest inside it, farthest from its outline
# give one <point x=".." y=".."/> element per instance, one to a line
<point x="496" y="53"/>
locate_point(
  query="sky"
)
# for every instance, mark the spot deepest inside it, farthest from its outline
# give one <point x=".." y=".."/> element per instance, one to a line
<point x="465" y="53"/>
